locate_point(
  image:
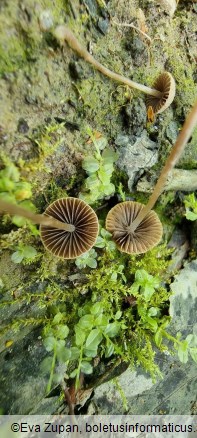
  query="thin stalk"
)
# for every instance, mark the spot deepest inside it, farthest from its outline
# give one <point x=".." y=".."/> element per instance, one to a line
<point x="63" y="33"/>
<point x="171" y="161"/>
<point x="35" y="218"/>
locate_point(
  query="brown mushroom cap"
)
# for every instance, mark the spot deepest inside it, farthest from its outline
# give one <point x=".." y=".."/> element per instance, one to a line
<point x="70" y="245"/>
<point x="166" y="84"/>
<point x="119" y="223"/>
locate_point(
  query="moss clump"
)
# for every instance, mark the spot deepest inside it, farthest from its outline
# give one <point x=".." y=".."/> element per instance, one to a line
<point x="155" y="261"/>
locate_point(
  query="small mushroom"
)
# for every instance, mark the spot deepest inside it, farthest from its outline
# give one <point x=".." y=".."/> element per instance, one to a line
<point x="70" y="245"/>
<point x="166" y="84"/>
<point x="144" y="237"/>
<point x="163" y="90"/>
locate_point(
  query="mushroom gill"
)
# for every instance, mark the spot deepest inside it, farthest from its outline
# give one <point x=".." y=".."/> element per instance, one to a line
<point x="70" y="245"/>
<point x="144" y="237"/>
<point x="164" y="83"/>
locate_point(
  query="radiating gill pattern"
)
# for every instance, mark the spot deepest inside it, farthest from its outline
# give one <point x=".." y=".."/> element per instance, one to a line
<point x="65" y="244"/>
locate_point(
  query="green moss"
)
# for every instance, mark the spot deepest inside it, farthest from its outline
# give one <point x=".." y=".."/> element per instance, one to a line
<point x="155" y="261"/>
<point x="13" y="57"/>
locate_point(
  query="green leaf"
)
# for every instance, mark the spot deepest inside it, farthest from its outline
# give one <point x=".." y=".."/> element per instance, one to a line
<point x="57" y="318"/>
<point x="109" y="350"/>
<point x="19" y="221"/>
<point x="153" y="311"/>
<point x="62" y="331"/>
<point x="29" y="251"/>
<point x="108" y="189"/>
<point x="111" y="246"/>
<point x="92" y="182"/>
<point x="75" y="353"/>
<point x="148" y="291"/>
<point x="28" y="205"/>
<point x="63" y="354"/>
<point x="92" y="263"/>
<point x="90" y="353"/>
<point x="158" y="338"/>
<point x="105" y="234"/>
<point x="101" y="143"/>
<point x="23" y="191"/>
<point x="90" y="164"/>
<point x="46" y="365"/>
<point x="80" y="336"/>
<point x="74" y="373"/>
<point x="118" y="314"/>
<point x="190" y="339"/>
<point x="93" y="340"/>
<point x="86" y="322"/>
<point x="193" y="352"/>
<point x="10" y="172"/>
<point x="183" y="352"/>
<point x="50" y="343"/>
<point x="109" y="156"/>
<point x="86" y="367"/>
<point x="17" y="257"/>
<point x="152" y="323"/>
<point x="6" y="185"/>
<point x="108" y="169"/>
<point x="60" y="343"/>
<point x="100" y="242"/>
<point x="190" y="215"/>
<point x="104" y="176"/>
<point x="112" y="329"/>
<point x="96" y="309"/>
<point x="101" y="321"/>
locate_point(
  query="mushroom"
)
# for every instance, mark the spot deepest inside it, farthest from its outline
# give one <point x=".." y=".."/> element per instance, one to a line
<point x="119" y="223"/>
<point x="82" y="216"/>
<point x="135" y="227"/>
<point x="161" y="85"/>
<point x="69" y="226"/>
<point x="166" y="84"/>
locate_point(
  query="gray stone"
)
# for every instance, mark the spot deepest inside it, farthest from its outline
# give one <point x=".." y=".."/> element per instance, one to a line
<point x="179" y="179"/>
<point x="135" y="154"/>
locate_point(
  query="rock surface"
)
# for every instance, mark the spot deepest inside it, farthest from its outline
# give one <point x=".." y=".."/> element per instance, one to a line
<point x="135" y="154"/>
<point x="180" y="179"/>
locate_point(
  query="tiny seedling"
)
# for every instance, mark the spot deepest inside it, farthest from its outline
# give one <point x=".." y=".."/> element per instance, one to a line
<point x="26" y="253"/>
<point x="87" y="259"/>
<point x="99" y="168"/>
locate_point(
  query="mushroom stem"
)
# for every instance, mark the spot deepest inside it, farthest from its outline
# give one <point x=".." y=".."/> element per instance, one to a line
<point x="63" y="33"/>
<point x="47" y="221"/>
<point x="174" y="156"/>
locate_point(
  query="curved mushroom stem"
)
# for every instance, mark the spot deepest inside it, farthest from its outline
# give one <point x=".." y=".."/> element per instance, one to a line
<point x="174" y="156"/>
<point x="63" y="33"/>
<point x="48" y="221"/>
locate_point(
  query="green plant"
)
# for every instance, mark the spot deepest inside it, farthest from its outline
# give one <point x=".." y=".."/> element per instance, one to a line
<point x="24" y="253"/>
<point x="104" y="241"/>
<point x="87" y="259"/>
<point x="92" y="327"/>
<point x="190" y="202"/>
<point x="56" y="334"/>
<point x="99" y="167"/>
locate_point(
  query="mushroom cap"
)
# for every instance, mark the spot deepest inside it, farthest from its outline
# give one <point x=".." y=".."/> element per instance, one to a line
<point x="70" y="245"/>
<point x="166" y="84"/>
<point x="147" y="234"/>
